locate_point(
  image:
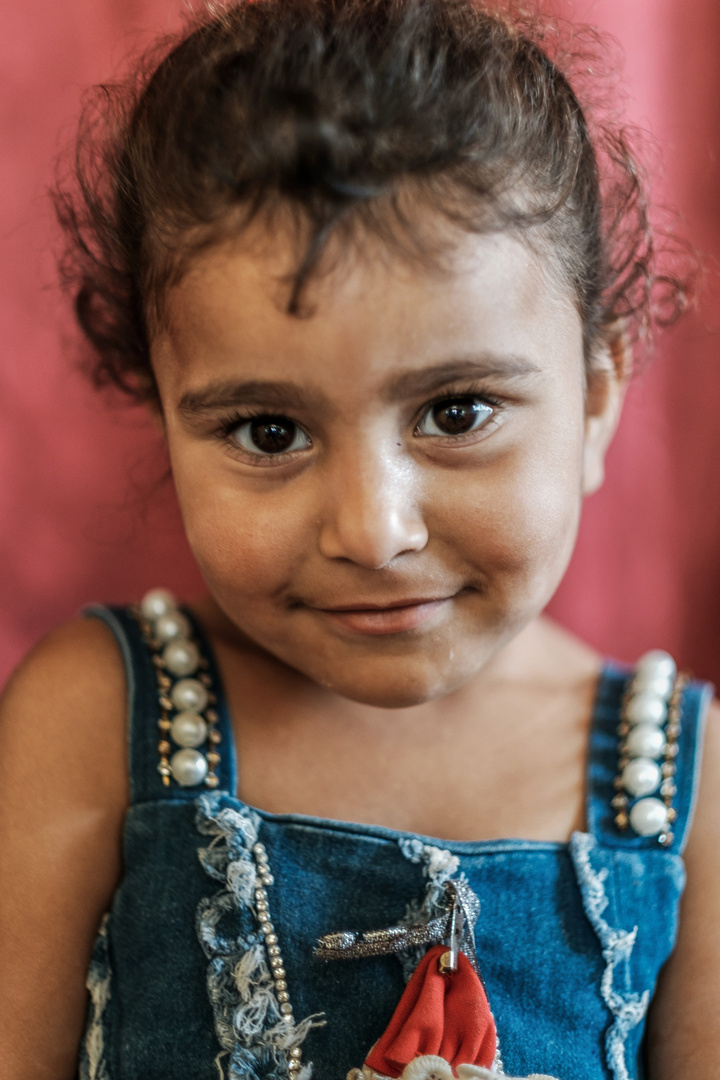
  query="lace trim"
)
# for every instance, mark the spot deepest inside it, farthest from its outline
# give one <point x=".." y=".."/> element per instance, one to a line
<point x="254" y="1036"/>
<point x="93" y="1064"/>
<point x="617" y="945"/>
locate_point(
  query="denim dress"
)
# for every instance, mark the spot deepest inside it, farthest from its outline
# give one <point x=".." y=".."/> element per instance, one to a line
<point x="570" y="937"/>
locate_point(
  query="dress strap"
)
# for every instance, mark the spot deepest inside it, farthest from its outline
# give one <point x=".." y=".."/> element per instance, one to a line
<point x="147" y="782"/>
<point x="604" y="757"/>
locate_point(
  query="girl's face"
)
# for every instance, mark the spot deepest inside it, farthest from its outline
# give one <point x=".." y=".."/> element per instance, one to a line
<point x="383" y="493"/>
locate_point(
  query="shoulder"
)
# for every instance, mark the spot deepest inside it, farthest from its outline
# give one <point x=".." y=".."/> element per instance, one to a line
<point x="64" y="796"/>
<point x="704" y="843"/>
<point x="63" y="710"/>
<point x="83" y="644"/>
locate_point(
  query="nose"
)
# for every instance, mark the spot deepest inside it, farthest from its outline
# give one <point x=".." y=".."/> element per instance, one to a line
<point x="372" y="513"/>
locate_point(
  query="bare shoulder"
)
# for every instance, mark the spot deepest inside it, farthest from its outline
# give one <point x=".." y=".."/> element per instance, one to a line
<point x="64" y="701"/>
<point x="685" y="1037"/>
<point x="64" y="796"/>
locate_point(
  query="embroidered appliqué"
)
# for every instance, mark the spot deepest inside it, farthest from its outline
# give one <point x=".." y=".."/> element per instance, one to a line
<point x="435" y="1068"/>
<point x="252" y="1032"/>
<point x="617" y="945"/>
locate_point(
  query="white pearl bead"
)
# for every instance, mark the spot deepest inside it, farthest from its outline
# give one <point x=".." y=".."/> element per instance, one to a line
<point x="649" y="817"/>
<point x="188" y="767"/>
<point x="189" y="729"/>
<point x="189" y="694"/>
<point x="645" y="740"/>
<point x="181" y="657"/>
<point x="657" y="662"/>
<point x="641" y="776"/>
<point x="646" y="709"/>
<point x="157" y="602"/>
<point x="651" y="682"/>
<point x="171" y="626"/>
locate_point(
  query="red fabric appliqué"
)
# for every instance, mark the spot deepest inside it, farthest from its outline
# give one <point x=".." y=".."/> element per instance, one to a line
<point x="443" y="1015"/>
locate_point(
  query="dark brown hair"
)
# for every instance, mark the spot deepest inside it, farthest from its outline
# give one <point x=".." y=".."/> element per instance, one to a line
<point x="333" y="108"/>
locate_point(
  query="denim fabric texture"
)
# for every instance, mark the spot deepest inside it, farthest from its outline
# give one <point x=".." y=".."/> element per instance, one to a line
<point x="570" y="937"/>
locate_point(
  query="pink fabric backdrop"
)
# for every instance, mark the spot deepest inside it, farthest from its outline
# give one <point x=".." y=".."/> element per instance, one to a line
<point x="84" y="514"/>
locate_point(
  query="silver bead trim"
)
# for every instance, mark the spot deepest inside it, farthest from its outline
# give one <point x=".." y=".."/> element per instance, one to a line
<point x="623" y="801"/>
<point x="293" y="1056"/>
<point x="167" y="680"/>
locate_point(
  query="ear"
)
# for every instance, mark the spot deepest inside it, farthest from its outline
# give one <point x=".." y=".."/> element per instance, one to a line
<point x="606" y="386"/>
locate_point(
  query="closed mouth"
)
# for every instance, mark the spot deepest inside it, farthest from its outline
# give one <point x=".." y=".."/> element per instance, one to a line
<point x="394" y="617"/>
<point x="391" y="606"/>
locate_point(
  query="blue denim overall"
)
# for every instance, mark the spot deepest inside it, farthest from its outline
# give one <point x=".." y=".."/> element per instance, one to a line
<point x="570" y="937"/>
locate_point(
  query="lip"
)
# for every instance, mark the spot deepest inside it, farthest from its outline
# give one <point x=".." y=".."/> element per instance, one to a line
<point x="394" y="618"/>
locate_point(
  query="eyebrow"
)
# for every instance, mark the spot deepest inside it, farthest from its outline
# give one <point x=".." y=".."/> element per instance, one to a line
<point x="432" y="378"/>
<point x="225" y="394"/>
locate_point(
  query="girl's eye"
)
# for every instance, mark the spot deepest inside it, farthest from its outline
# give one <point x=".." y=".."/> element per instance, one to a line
<point x="269" y="435"/>
<point x="454" y="416"/>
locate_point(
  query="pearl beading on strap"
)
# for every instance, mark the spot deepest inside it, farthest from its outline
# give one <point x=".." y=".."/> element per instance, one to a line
<point x="275" y="960"/>
<point x="649" y="731"/>
<point x="185" y="695"/>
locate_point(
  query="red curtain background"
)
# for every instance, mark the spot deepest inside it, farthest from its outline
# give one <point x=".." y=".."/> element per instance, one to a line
<point x="84" y="512"/>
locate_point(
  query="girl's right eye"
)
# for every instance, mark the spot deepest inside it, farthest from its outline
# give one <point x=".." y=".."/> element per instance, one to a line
<point x="269" y="436"/>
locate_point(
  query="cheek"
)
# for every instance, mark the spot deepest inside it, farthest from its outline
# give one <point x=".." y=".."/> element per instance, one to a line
<point x="245" y="544"/>
<point x="518" y="521"/>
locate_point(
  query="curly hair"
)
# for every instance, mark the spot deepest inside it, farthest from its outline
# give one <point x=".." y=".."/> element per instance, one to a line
<point x="333" y="108"/>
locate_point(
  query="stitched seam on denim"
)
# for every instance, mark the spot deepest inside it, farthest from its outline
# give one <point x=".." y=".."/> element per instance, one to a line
<point x="93" y="1062"/>
<point x="617" y="945"/>
<point x="381" y="834"/>
<point x="97" y="611"/>
<point x="253" y="1034"/>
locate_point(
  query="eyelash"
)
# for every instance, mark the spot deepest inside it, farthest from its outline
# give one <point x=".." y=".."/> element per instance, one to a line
<point x="235" y="420"/>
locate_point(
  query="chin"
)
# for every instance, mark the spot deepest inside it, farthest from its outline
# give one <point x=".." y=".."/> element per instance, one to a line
<point x="397" y="689"/>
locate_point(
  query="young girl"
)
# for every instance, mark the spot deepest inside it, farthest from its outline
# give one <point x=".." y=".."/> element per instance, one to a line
<point x="364" y="263"/>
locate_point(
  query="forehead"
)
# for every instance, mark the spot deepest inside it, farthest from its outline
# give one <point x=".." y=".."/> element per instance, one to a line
<point x="366" y="310"/>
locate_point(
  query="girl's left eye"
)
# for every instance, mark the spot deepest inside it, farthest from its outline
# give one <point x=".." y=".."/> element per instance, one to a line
<point x="454" y="416"/>
<point x="266" y="436"/>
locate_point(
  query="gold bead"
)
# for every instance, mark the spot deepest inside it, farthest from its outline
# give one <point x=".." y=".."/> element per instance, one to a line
<point x="444" y="964"/>
<point x="164" y="747"/>
<point x="621" y="820"/>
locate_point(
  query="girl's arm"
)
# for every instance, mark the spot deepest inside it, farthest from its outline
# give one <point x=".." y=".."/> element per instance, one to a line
<point x="64" y="794"/>
<point x="684" y="1031"/>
